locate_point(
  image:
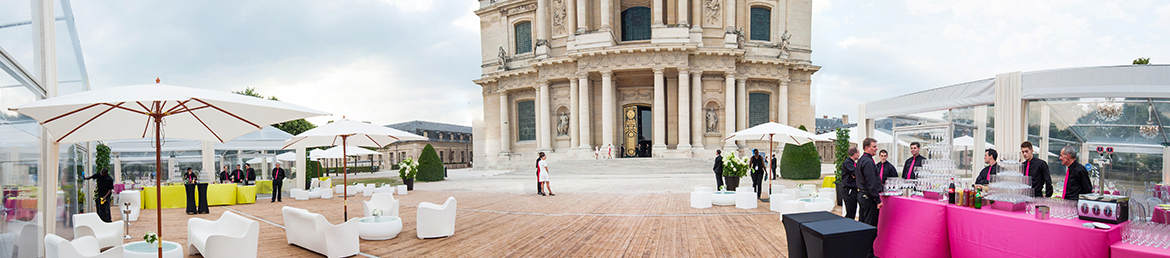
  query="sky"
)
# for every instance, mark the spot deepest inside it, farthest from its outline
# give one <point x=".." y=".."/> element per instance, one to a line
<point x="393" y="61"/>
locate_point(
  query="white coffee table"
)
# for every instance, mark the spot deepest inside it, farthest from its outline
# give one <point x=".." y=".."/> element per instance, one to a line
<point x="379" y="228"/>
<point x="141" y="249"/>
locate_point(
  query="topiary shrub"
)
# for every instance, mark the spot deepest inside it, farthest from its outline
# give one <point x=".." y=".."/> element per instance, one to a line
<point x="840" y="153"/>
<point x="312" y="170"/>
<point x="430" y="167"/>
<point x="800" y="162"/>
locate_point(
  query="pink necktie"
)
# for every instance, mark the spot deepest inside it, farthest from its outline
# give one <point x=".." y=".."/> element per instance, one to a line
<point x="1027" y="166"/>
<point x="908" y="171"/>
<point x="1064" y="192"/>
<point x="881" y="172"/>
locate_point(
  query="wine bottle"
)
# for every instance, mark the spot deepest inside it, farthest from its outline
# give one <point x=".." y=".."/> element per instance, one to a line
<point x="951" y="192"/>
<point x="978" y="198"/>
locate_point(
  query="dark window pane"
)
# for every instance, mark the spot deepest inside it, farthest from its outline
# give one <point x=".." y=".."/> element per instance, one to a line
<point x="761" y="23"/>
<point x="527" y="120"/>
<point x="636" y="23"/>
<point x="758" y="104"/>
<point x="523" y="37"/>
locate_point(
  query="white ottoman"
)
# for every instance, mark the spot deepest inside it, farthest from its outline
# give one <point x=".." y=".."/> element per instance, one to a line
<point x="745" y="199"/>
<point x="777" y="199"/>
<point x="828" y="193"/>
<point x="338" y="189"/>
<point x="314" y="194"/>
<point x="326" y="193"/>
<point x="299" y="194"/>
<point x="135" y="200"/>
<point x="701" y="200"/>
<point x="787" y="207"/>
<point x="369" y="191"/>
<point x="353" y="189"/>
<point x="401" y="189"/>
<point x="818" y="204"/>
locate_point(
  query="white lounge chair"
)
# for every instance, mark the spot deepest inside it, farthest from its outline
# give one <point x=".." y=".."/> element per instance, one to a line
<point x="81" y="247"/>
<point x="299" y="194"/>
<point x="328" y="183"/>
<point x="314" y="183"/>
<point x="107" y="234"/>
<point x="311" y="231"/>
<point x="230" y="236"/>
<point x="435" y="220"/>
<point x="369" y="190"/>
<point x="384" y="202"/>
<point x="19" y="239"/>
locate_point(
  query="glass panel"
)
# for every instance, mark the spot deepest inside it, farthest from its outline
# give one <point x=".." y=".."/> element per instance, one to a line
<point x="526" y="120"/>
<point x="636" y="23"/>
<point x="523" y="37"/>
<point x="761" y="23"/>
<point x="758" y="108"/>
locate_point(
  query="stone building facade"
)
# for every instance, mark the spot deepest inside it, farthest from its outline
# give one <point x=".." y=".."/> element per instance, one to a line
<point x="451" y="142"/>
<point x="661" y="78"/>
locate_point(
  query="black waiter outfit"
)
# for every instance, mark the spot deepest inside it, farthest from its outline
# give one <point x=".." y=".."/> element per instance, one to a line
<point x="908" y="166"/>
<point x="757" y="165"/>
<point x="849" y="179"/>
<point x="1037" y="171"/>
<point x="1078" y="182"/>
<point x="105" y="189"/>
<point x="277" y="183"/>
<point x="984" y="177"/>
<point x="718" y="171"/>
<point x="887" y="169"/>
<point x="869" y="184"/>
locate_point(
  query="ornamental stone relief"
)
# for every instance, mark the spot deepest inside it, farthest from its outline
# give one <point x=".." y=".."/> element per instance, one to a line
<point x="549" y="72"/>
<point x="770" y="71"/>
<point x="558" y="15"/>
<point x="630" y="96"/>
<point x="633" y="60"/>
<point x="518" y="81"/>
<point x="759" y="85"/>
<point x="712" y="63"/>
<point x="519" y="9"/>
<point x="711" y="10"/>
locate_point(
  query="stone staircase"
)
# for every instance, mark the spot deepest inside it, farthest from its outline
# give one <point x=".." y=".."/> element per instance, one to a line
<point x="624" y="166"/>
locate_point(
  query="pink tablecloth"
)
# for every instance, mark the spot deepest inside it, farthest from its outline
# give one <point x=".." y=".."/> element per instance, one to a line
<point x="1123" y="250"/>
<point x="993" y="233"/>
<point x="912" y="227"/>
<point x="1159" y="215"/>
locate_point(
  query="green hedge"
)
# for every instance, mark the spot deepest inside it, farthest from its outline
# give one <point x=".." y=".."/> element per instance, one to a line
<point x="313" y="170"/>
<point x="430" y="167"/>
<point x="800" y="162"/>
<point x="352" y="169"/>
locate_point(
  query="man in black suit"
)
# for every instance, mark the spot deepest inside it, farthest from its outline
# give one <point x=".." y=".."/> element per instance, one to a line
<point x="278" y="176"/>
<point x="105" y="190"/>
<point x="773" y="164"/>
<point x="237" y="175"/>
<point x="1037" y="170"/>
<point x="849" y="179"/>
<point x="1076" y="179"/>
<point x="884" y="167"/>
<point x="757" y="167"/>
<point x="869" y="184"/>
<point x="718" y="169"/>
<point x="915" y="160"/>
<point x="249" y="174"/>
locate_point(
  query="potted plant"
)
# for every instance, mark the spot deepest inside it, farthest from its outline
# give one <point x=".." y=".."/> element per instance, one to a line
<point x="733" y="169"/>
<point x="407" y="170"/>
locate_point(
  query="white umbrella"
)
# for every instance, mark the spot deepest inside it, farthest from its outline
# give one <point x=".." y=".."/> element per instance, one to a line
<point x="349" y="133"/>
<point x="349" y="151"/>
<point x="968" y="142"/>
<point x="288" y="156"/>
<point x="775" y="132"/>
<point x="142" y="111"/>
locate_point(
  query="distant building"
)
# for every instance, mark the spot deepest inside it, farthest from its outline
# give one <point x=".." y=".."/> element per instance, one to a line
<point x="826" y="124"/>
<point x="451" y="142"/>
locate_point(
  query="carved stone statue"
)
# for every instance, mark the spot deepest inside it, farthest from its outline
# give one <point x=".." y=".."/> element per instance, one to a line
<point x="563" y="124"/>
<point x="503" y="59"/>
<point x="712" y="120"/>
<point x="784" y="44"/>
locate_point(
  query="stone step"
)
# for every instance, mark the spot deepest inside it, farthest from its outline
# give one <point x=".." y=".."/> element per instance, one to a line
<point x="624" y="166"/>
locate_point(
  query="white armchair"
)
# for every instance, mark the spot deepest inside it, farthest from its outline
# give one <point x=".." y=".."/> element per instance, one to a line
<point x="314" y="183"/>
<point x="19" y="239"/>
<point x="435" y="220"/>
<point x="230" y="236"/>
<point x="384" y="202"/>
<point x="107" y="234"/>
<point x="369" y="190"/>
<point x="81" y="247"/>
<point x="311" y="231"/>
<point x="328" y="183"/>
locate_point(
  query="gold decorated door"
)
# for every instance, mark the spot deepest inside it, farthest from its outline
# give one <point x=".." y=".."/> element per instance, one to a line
<point x="631" y="132"/>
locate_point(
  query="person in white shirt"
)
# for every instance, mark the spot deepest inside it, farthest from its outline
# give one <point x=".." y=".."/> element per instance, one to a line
<point x="542" y="175"/>
<point x="597" y="152"/>
<point x="608" y="151"/>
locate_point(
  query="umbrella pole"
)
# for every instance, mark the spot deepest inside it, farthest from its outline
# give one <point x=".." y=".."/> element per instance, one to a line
<point x="344" y="178"/>
<point x="158" y="178"/>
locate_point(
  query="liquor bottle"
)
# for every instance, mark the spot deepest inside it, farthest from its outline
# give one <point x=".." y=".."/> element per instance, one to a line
<point x="978" y="198"/>
<point x="970" y="197"/>
<point x="951" y="192"/>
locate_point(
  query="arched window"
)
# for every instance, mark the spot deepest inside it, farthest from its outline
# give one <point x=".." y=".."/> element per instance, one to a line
<point x="523" y="34"/>
<point x="526" y="121"/>
<point x="636" y="23"/>
<point x="758" y="111"/>
<point x="761" y="23"/>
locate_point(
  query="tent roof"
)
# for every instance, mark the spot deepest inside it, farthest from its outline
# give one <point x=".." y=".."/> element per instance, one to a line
<point x="268" y="138"/>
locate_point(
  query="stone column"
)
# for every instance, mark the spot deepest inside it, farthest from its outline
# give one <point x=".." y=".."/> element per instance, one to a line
<point x="545" y="119"/>
<point x="729" y="110"/>
<point x="682" y="13"/>
<point x="656" y="13"/>
<point x="659" y="110"/>
<point x="684" y="108"/>
<point x="505" y="127"/>
<point x="541" y="22"/>
<point x="539" y="127"/>
<point x="782" y="107"/>
<point x="729" y="15"/>
<point x="582" y="16"/>
<point x="777" y="28"/>
<point x="571" y="19"/>
<point x="607" y="112"/>
<point x="585" y="124"/>
<point x="697" y="14"/>
<point x="741" y="103"/>
<point x="697" y="123"/>
<point x="606" y="12"/>
<point x="574" y="123"/>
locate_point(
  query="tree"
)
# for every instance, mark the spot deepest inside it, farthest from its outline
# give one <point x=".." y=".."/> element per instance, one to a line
<point x="430" y="167"/>
<point x="293" y="127"/>
<point x="800" y="162"/>
<point x="841" y="151"/>
<point x="1142" y="61"/>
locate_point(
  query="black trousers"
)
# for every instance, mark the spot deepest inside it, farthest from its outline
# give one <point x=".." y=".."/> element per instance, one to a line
<point x="276" y="186"/>
<point x="718" y="180"/>
<point x="539" y="190"/>
<point x="869" y="210"/>
<point x="850" y="200"/>
<point x="758" y="182"/>
<point x="103" y="210"/>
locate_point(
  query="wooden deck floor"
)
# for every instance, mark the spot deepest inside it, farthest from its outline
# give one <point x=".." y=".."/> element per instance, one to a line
<point x="529" y="225"/>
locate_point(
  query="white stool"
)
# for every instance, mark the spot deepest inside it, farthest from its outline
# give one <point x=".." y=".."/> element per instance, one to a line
<point x="787" y="207"/>
<point x="819" y="204"/>
<point x="828" y="193"/>
<point x="401" y="189"/>
<point x="338" y="189"/>
<point x="326" y="193"/>
<point x="135" y="200"/>
<point x="745" y="199"/>
<point x="777" y="199"/>
<point x="701" y="200"/>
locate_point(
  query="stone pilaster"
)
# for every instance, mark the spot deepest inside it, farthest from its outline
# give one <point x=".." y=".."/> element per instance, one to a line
<point x="545" y="117"/>
<point x="684" y="108"/>
<point x="582" y="16"/>
<point x="505" y="127"/>
<point x="659" y="111"/>
<point x="656" y="13"/>
<point x="697" y="127"/>
<point x="607" y="105"/>
<point x="574" y="122"/>
<point x="682" y="13"/>
<point x="586" y="123"/>
<point x="741" y="106"/>
<point x="729" y="110"/>
<point x="606" y="12"/>
<point x="782" y="107"/>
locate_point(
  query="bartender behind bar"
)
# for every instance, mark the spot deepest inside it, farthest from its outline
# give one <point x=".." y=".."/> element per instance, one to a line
<point x="869" y="184"/>
<point x="1076" y="179"/>
<point x="1036" y="169"/>
<point x="989" y="158"/>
